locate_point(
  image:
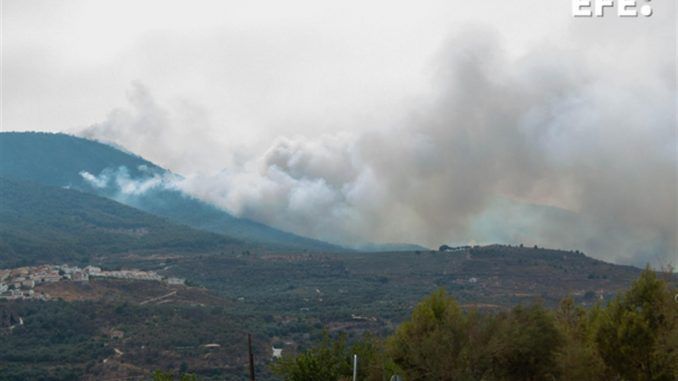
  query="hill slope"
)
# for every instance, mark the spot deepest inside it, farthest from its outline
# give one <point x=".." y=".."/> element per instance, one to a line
<point x="66" y="161"/>
<point x="42" y="224"/>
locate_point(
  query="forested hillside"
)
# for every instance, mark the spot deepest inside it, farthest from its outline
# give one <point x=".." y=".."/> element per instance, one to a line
<point x="58" y="159"/>
<point x="43" y="224"/>
<point x="65" y="161"/>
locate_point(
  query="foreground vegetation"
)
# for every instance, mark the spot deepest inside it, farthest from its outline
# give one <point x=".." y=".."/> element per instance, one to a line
<point x="104" y="341"/>
<point x="130" y="332"/>
<point x="635" y="337"/>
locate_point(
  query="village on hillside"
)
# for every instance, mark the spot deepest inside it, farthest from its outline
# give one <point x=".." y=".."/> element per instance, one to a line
<point x="19" y="283"/>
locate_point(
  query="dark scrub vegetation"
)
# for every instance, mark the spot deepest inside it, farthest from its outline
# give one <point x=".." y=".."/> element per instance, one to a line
<point x="635" y="338"/>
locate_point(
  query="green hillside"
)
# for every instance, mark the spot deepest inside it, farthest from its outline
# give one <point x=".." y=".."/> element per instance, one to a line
<point x="42" y="224"/>
<point x="59" y="159"/>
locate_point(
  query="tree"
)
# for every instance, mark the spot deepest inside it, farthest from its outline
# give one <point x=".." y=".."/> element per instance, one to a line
<point x="162" y="376"/>
<point x="635" y="338"/>
<point x="332" y="360"/>
<point x="329" y="361"/>
<point x="159" y="375"/>
<point x="477" y="355"/>
<point x="637" y="335"/>
<point x="429" y="346"/>
<point x="525" y="347"/>
<point x="373" y="363"/>
<point x="578" y="357"/>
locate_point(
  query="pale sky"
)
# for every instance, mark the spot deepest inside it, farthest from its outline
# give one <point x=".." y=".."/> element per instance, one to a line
<point x="311" y="104"/>
<point x="259" y="68"/>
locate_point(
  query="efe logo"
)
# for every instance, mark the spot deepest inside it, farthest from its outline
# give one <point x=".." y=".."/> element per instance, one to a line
<point x="625" y="8"/>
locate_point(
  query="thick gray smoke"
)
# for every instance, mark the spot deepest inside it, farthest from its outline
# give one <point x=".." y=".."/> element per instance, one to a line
<point x="177" y="136"/>
<point x="562" y="150"/>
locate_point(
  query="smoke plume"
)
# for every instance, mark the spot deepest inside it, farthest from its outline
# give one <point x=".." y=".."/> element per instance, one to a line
<point x="551" y="148"/>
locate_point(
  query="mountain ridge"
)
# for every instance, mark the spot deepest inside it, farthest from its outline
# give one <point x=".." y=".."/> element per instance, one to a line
<point x="63" y="160"/>
<point x="66" y="225"/>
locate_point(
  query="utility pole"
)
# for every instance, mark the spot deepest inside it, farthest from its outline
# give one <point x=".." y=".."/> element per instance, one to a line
<point x="355" y="367"/>
<point x="249" y="345"/>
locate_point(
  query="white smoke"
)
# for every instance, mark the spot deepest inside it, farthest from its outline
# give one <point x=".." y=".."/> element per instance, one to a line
<point x="553" y="148"/>
<point x="179" y="136"/>
<point x="120" y="181"/>
<point x="98" y="182"/>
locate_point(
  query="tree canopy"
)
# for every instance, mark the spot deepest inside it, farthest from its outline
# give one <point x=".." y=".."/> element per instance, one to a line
<point x="634" y="338"/>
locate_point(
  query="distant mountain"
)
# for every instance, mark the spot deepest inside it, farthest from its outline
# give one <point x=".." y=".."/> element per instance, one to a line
<point x="389" y="247"/>
<point x="66" y="161"/>
<point x="58" y="159"/>
<point x="43" y="224"/>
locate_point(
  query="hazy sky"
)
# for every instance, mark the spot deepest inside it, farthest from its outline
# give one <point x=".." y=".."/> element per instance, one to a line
<point x="258" y="69"/>
<point x="435" y="122"/>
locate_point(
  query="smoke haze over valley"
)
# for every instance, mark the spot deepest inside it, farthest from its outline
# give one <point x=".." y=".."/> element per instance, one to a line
<point x="492" y="133"/>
